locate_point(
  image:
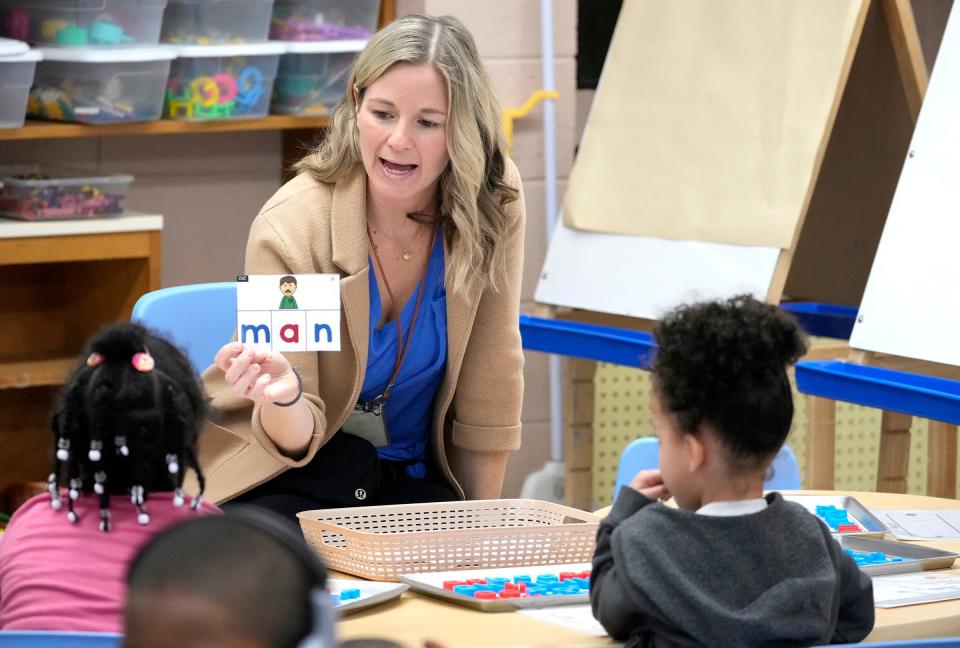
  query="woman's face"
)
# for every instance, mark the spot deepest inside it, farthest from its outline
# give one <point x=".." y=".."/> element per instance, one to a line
<point x="403" y="139"/>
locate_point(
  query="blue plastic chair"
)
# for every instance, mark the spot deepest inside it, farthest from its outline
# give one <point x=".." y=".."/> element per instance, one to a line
<point x="941" y="642"/>
<point x="48" y="639"/>
<point x="199" y="318"/>
<point x="644" y="454"/>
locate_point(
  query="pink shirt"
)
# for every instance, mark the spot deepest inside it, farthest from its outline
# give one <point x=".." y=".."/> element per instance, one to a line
<point x="55" y="575"/>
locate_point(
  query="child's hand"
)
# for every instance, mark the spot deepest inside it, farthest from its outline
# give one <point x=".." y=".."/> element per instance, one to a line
<point x="650" y="484"/>
<point x="261" y="376"/>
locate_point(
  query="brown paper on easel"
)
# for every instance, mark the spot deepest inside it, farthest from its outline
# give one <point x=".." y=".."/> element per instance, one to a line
<point x="710" y="119"/>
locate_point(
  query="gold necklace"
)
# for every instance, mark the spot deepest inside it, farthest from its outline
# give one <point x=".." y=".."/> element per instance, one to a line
<point x="406" y="255"/>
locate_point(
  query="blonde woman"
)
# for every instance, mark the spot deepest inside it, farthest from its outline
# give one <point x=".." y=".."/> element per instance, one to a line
<point x="412" y="201"/>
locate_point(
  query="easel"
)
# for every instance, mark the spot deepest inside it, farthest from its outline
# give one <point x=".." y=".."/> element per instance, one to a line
<point x="895" y="434"/>
<point x="894" y="452"/>
<point x="884" y="53"/>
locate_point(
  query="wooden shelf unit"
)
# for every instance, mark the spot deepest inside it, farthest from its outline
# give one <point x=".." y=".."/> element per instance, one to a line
<point x="60" y="282"/>
<point x="33" y="130"/>
<point x="35" y="372"/>
<point x="52" y="130"/>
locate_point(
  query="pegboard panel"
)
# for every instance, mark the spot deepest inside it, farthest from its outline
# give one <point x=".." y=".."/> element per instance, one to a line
<point x="917" y="473"/>
<point x="622" y="414"/>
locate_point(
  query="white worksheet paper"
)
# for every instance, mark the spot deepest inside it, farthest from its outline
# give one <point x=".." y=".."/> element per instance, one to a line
<point x="921" y="524"/>
<point x="897" y="590"/>
<point x="573" y="617"/>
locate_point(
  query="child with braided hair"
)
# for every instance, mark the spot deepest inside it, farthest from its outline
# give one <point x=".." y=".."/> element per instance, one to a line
<point x="125" y="432"/>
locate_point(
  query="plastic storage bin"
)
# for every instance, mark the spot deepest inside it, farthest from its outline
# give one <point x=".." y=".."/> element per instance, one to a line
<point x="222" y="81"/>
<point x="100" y="86"/>
<point x="214" y="22"/>
<point x="313" y="20"/>
<point x="313" y="77"/>
<point x="73" y="23"/>
<point x="17" y="66"/>
<point x="28" y="194"/>
<point x="382" y="542"/>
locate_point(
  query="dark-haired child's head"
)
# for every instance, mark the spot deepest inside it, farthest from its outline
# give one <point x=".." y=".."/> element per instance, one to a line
<point x="721" y="399"/>
<point x="226" y="580"/>
<point x="127" y="422"/>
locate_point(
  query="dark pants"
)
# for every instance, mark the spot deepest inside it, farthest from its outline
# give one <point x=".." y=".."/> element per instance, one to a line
<point x="345" y="472"/>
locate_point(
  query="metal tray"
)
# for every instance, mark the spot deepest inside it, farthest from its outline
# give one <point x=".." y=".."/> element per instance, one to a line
<point x="918" y="558"/>
<point x="432" y="584"/>
<point x="855" y="511"/>
<point x="371" y="593"/>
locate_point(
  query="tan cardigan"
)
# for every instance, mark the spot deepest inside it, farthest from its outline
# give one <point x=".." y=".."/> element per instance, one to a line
<point x="313" y="227"/>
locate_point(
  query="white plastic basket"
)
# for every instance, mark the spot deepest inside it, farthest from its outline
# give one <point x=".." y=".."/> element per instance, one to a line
<point x="382" y="542"/>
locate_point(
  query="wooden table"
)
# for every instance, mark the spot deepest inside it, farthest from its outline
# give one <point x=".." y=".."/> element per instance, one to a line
<point x="415" y="618"/>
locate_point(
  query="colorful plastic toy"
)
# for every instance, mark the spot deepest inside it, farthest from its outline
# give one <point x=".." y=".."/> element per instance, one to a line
<point x="293" y="29"/>
<point x="56" y="202"/>
<point x="838" y="520"/>
<point x="865" y="558"/>
<point x="229" y="94"/>
<point x="562" y="584"/>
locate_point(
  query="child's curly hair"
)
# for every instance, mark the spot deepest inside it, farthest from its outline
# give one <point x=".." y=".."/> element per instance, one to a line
<point x="724" y="363"/>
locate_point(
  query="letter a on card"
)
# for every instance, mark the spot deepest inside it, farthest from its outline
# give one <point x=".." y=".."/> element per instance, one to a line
<point x="288" y="326"/>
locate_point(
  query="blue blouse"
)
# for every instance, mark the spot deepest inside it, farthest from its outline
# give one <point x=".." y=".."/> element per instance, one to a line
<point x="409" y="408"/>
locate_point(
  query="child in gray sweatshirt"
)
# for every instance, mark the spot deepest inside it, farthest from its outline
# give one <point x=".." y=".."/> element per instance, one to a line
<point x="729" y="566"/>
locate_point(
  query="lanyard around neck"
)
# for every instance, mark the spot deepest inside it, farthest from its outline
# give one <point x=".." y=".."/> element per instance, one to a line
<point x="377" y="403"/>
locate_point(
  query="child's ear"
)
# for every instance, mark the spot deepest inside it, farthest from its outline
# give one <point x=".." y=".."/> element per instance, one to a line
<point x="696" y="452"/>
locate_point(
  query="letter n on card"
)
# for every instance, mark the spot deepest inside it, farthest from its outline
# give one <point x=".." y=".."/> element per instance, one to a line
<point x="289" y="312"/>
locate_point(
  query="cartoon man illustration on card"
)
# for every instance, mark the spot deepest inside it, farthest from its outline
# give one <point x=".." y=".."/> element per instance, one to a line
<point x="288" y="286"/>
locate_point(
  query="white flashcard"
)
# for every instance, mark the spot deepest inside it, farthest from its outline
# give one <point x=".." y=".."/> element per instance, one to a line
<point x="289" y="312"/>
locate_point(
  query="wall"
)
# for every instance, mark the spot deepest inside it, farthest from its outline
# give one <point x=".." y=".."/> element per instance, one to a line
<point x="209" y="187"/>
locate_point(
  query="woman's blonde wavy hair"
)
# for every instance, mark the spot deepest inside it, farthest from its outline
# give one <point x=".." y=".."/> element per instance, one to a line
<point x="473" y="194"/>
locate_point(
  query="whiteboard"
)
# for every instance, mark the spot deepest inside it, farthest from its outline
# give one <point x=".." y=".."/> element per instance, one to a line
<point x="911" y="306"/>
<point x="638" y="276"/>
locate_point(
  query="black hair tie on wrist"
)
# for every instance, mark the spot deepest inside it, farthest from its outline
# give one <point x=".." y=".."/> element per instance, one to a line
<point x="299" y="390"/>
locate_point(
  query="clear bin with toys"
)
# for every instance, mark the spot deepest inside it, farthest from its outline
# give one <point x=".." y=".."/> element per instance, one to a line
<point x="222" y="81"/>
<point x="383" y="542"/>
<point x="319" y="20"/>
<point x="100" y="86"/>
<point x="312" y="77"/>
<point x="80" y="23"/>
<point x="17" y="66"/>
<point x="216" y="22"/>
<point x="29" y="193"/>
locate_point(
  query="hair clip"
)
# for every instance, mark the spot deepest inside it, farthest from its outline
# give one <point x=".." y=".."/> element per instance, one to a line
<point x="63" y="449"/>
<point x="173" y="466"/>
<point x="55" y="502"/>
<point x="143" y="361"/>
<point x="74" y="494"/>
<point x="99" y="478"/>
<point x="96" y="446"/>
<point x="75" y="484"/>
<point x="94" y="359"/>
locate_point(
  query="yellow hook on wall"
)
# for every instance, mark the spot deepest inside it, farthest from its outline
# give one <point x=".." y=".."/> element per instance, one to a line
<point x="509" y="114"/>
